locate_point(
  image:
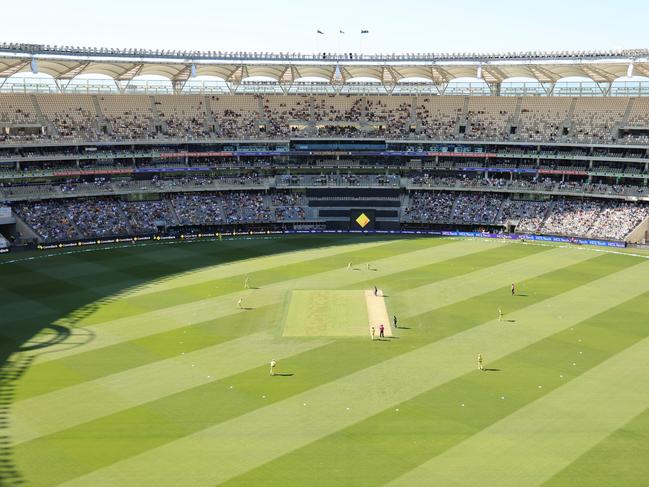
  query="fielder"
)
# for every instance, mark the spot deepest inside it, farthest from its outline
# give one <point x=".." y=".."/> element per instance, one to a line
<point x="372" y="332"/>
<point x="246" y="283"/>
<point x="480" y="366"/>
<point x="273" y="364"/>
<point x="500" y="314"/>
<point x="239" y="303"/>
<point x="513" y="289"/>
<point x="349" y="266"/>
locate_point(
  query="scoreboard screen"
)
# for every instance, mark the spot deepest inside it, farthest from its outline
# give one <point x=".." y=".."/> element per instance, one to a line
<point x="362" y="219"/>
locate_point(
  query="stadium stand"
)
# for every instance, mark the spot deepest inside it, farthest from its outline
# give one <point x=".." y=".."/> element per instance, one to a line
<point x="140" y="117"/>
<point x="92" y="164"/>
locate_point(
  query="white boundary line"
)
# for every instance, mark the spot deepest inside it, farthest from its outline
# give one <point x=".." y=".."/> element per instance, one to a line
<point x="47" y="254"/>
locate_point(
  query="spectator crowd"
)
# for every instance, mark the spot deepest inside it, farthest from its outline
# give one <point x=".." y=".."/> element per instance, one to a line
<point x="89" y="217"/>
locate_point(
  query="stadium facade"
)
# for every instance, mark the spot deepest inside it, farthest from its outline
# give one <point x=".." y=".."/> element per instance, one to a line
<point x="84" y="159"/>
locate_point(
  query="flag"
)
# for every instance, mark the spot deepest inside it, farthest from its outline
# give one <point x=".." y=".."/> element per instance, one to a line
<point x="320" y="32"/>
<point x="342" y="32"/>
<point x="365" y="32"/>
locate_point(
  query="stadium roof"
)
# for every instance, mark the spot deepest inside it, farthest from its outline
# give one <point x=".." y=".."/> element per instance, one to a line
<point x="65" y="63"/>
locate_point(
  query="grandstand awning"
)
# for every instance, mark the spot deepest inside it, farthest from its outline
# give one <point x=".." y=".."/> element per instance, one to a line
<point x="337" y="69"/>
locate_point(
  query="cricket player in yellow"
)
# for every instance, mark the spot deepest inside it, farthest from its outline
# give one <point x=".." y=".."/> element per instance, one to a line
<point x="500" y="314"/>
<point x="480" y="365"/>
<point x="273" y="364"/>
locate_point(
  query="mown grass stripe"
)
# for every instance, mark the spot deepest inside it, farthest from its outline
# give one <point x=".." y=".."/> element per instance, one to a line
<point x="256" y="265"/>
<point x="620" y="459"/>
<point x="226" y="450"/>
<point x="32" y="418"/>
<point x="166" y="319"/>
<point x="534" y="443"/>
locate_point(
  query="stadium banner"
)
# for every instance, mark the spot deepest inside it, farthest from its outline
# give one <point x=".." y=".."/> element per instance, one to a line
<point x="353" y="230"/>
<point x="172" y="169"/>
<point x="270" y="153"/>
<point x="562" y="171"/>
<point x="92" y="172"/>
<point x="500" y="169"/>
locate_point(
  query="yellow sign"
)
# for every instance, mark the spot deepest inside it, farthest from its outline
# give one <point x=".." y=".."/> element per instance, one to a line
<point x="362" y="220"/>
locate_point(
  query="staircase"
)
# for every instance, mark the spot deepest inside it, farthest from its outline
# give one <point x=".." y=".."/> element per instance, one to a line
<point x="501" y="207"/>
<point x="405" y="202"/>
<point x="42" y="119"/>
<point x="567" y="123"/>
<point x="210" y="124"/>
<point x="25" y="230"/>
<point x="413" y="115"/>
<point x="363" y="121"/>
<point x="173" y="213"/>
<point x="124" y="217"/>
<point x="547" y="214"/>
<point x="101" y="119"/>
<point x="311" y="130"/>
<point x="625" y="118"/>
<point x="516" y="116"/>
<point x="158" y="125"/>
<point x="455" y="201"/>
<point x="462" y="121"/>
<point x="80" y="234"/>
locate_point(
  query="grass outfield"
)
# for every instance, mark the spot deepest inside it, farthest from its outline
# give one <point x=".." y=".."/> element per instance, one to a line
<point x="135" y="367"/>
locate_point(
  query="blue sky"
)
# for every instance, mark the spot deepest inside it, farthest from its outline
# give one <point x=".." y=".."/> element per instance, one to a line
<point x="283" y="25"/>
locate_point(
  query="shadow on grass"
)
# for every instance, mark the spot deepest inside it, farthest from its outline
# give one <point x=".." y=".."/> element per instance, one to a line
<point x="56" y="326"/>
<point x="281" y="374"/>
<point x="491" y="370"/>
<point x="10" y="373"/>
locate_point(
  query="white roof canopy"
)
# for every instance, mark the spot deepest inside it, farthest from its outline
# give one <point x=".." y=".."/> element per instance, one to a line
<point x="67" y="63"/>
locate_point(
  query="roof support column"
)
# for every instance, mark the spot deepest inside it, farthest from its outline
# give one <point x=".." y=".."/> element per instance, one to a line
<point x="605" y="88"/>
<point x="548" y="88"/>
<point x="178" y="86"/>
<point x="495" y="88"/>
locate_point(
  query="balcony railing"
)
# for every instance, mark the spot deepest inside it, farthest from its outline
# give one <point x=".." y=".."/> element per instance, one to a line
<point x="214" y="87"/>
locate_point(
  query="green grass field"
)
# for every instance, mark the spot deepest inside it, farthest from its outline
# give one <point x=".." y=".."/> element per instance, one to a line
<point x="134" y="366"/>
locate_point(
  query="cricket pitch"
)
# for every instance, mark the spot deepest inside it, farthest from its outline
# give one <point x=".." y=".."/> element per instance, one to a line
<point x="334" y="313"/>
